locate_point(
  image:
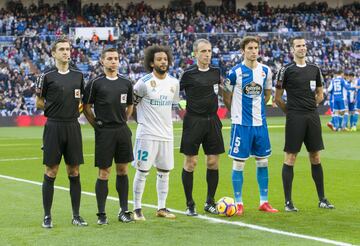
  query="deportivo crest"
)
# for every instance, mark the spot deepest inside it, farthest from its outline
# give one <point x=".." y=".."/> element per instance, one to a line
<point x="252" y="90"/>
<point x="77" y="93"/>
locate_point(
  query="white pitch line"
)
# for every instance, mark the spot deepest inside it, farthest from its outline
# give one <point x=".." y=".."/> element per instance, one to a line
<point x="203" y="217"/>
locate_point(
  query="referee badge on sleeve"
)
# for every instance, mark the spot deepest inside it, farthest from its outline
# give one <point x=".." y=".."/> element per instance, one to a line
<point x="123" y="98"/>
<point x="312" y="85"/>
<point x="216" y="89"/>
<point x="77" y="93"/>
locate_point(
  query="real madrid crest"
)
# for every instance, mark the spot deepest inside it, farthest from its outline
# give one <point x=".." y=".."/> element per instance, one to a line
<point x="172" y="89"/>
<point x="153" y="84"/>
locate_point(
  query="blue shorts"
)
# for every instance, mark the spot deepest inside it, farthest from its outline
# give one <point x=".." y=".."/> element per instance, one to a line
<point x="249" y="141"/>
<point x="339" y="105"/>
<point x="352" y="107"/>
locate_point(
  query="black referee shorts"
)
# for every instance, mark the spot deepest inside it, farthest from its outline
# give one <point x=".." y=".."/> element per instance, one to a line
<point x="113" y="143"/>
<point x="303" y="127"/>
<point x="62" y="138"/>
<point x="202" y="130"/>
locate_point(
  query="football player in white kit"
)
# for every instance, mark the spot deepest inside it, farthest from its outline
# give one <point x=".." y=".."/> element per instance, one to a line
<point x="154" y="95"/>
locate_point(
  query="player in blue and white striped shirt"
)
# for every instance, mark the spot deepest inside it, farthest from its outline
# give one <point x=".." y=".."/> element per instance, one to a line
<point x="248" y="88"/>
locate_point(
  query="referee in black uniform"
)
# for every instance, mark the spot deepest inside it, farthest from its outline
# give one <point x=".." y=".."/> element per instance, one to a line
<point x="201" y="124"/>
<point x="112" y="96"/>
<point x="303" y="83"/>
<point x="59" y="93"/>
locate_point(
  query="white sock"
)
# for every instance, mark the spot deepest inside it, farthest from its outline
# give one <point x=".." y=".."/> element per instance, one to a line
<point x="162" y="187"/>
<point x="139" y="187"/>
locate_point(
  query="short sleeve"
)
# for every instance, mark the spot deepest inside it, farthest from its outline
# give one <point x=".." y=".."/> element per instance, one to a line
<point x="140" y="89"/>
<point x="184" y="78"/>
<point x="41" y="85"/>
<point x="176" y="99"/>
<point x="130" y="96"/>
<point x="89" y="93"/>
<point x="281" y="79"/>
<point x="231" y="77"/>
<point x="319" y="78"/>
<point x="268" y="82"/>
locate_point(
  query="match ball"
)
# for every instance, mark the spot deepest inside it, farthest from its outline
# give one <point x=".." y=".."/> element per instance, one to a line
<point x="226" y="207"/>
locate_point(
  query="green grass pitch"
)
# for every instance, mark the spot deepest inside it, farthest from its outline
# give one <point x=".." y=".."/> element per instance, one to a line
<point x="21" y="205"/>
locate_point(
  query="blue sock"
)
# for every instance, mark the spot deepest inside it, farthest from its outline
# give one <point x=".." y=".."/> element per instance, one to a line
<point x="356" y="118"/>
<point x="351" y="120"/>
<point x="336" y="121"/>
<point x="237" y="182"/>
<point x="262" y="175"/>
<point x="345" y="121"/>
<point x="340" y="121"/>
<point x="332" y="119"/>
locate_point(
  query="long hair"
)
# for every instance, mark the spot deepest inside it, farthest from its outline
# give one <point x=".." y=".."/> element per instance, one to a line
<point x="149" y="55"/>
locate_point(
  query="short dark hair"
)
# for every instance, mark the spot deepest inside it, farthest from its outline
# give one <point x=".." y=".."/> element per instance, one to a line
<point x="339" y="71"/>
<point x="248" y="39"/>
<point x="149" y="55"/>
<point x="295" y="38"/>
<point x="63" y="39"/>
<point x="103" y="53"/>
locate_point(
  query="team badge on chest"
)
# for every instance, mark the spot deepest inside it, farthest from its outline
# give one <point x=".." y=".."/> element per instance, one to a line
<point x="153" y="84"/>
<point x="77" y="93"/>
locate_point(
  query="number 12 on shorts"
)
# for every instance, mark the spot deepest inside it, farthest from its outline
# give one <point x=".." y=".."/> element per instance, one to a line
<point x="142" y="155"/>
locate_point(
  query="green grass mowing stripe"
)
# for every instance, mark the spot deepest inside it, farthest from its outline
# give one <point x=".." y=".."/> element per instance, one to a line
<point x="215" y="220"/>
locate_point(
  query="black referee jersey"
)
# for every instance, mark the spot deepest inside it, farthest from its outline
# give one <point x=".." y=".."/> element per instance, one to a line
<point x="300" y="83"/>
<point x="201" y="88"/>
<point x="62" y="93"/>
<point x="110" y="98"/>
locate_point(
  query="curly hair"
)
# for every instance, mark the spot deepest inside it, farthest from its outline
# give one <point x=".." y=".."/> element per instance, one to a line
<point x="149" y="55"/>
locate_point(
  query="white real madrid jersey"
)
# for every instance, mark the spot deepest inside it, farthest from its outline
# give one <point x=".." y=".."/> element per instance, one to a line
<point x="248" y="102"/>
<point x="154" y="111"/>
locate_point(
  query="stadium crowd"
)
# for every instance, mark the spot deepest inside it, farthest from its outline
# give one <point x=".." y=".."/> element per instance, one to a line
<point x="34" y="28"/>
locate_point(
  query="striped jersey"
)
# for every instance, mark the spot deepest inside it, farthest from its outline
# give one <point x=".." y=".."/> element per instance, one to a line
<point x="248" y="101"/>
<point x="155" y="98"/>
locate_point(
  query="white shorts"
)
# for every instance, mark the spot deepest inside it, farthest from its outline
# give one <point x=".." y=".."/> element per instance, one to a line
<point x="159" y="154"/>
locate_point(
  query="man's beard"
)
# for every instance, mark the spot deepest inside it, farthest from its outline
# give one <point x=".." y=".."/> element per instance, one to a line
<point x="160" y="71"/>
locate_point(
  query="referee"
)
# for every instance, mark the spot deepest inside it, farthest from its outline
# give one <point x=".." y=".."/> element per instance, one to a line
<point x="112" y="96"/>
<point x="59" y="93"/>
<point x="201" y="124"/>
<point x="303" y="83"/>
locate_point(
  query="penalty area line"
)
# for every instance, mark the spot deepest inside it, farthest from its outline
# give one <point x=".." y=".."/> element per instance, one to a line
<point x="203" y="217"/>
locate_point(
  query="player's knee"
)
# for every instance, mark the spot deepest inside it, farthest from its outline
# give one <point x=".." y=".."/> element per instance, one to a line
<point x="141" y="175"/>
<point x="314" y="157"/>
<point x="212" y="162"/>
<point x="290" y="159"/>
<point x="238" y="165"/>
<point x="262" y="162"/>
<point x="190" y="163"/>
<point x="122" y="169"/>
<point x="104" y="174"/>
<point x="51" y="171"/>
